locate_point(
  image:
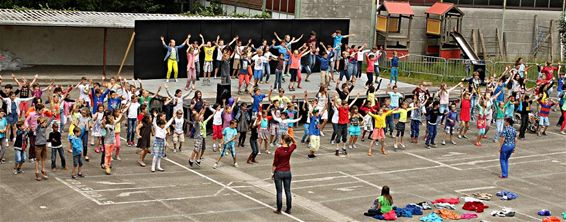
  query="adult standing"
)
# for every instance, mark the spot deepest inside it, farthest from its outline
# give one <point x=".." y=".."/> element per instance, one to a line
<point x="172" y="57"/>
<point x="507" y="146"/>
<point x="282" y="172"/>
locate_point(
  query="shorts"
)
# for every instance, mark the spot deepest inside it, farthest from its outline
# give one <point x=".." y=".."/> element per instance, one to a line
<point x="257" y="74"/>
<point x="449" y="130"/>
<point x="400" y="126"/>
<point x="368" y="126"/>
<point x="229" y="146"/>
<point x="236" y="64"/>
<point x="40" y="152"/>
<point x="354" y="130"/>
<point x="12" y="118"/>
<point x="293" y="74"/>
<point x="378" y="134"/>
<point x="264" y="133"/>
<point x="314" y="143"/>
<point x="244" y="77"/>
<point x="199" y="141"/>
<point x="77" y="160"/>
<point x="20" y="156"/>
<point x="543" y="121"/>
<point x="207" y="67"/>
<point x="216" y="132"/>
<point x="274" y="129"/>
<point x="337" y="54"/>
<point x="217" y="63"/>
<point x="481" y="131"/>
<point x="178" y="137"/>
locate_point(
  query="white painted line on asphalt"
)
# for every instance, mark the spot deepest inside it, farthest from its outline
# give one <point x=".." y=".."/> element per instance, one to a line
<point x="510" y="164"/>
<point x="231" y="189"/>
<point x="134" y="188"/>
<point x="512" y="158"/>
<point x="319" y="179"/>
<point x="361" y="180"/>
<point x="324" y="185"/>
<point x="114" y="183"/>
<point x="474" y="189"/>
<point x="399" y="171"/>
<point x="79" y="191"/>
<point x="127" y="194"/>
<point x="432" y="161"/>
<point x="158" y="200"/>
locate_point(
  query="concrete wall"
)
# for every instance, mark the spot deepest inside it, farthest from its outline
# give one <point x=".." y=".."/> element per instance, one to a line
<point x="65" y="45"/>
<point x="518" y="28"/>
<point x="358" y="11"/>
<point x="518" y="23"/>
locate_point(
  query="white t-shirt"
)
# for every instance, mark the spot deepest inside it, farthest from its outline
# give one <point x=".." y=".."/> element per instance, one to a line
<point x="258" y="62"/>
<point x="83" y="90"/>
<point x="219" y="52"/>
<point x="133" y="110"/>
<point x="179" y="105"/>
<point x="267" y="55"/>
<point x="178" y="124"/>
<point x="217" y="119"/>
<point x="239" y="50"/>
<point x="335" y="116"/>
<point x="361" y="55"/>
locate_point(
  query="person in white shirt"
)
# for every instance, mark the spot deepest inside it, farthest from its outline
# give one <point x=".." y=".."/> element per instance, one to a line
<point x="360" y="57"/>
<point x="132" y="122"/>
<point x="84" y="90"/>
<point x="158" y="149"/>
<point x="178" y="98"/>
<point x="178" y="133"/>
<point x="258" y="60"/>
<point x="219" y="52"/>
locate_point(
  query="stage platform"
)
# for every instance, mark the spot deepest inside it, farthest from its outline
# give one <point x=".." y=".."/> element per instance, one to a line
<point x="312" y="87"/>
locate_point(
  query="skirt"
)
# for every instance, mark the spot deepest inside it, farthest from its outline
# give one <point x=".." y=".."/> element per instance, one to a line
<point x="158" y="149"/>
<point x="264" y="133"/>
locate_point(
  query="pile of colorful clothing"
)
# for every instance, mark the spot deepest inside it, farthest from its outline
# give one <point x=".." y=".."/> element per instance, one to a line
<point x="507" y="195"/>
<point x="505" y="212"/>
<point x="478" y="207"/>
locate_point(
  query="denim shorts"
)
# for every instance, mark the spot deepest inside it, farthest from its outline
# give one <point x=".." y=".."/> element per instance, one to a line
<point x="20" y="156"/>
<point x="77" y="160"/>
<point x="543" y="121"/>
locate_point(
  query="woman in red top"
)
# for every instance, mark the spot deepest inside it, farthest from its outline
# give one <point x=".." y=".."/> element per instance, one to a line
<point x="282" y="171"/>
<point x="295" y="65"/>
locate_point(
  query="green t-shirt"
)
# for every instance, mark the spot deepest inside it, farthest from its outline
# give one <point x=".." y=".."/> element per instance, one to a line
<point x="499" y="113"/>
<point x="385" y="205"/>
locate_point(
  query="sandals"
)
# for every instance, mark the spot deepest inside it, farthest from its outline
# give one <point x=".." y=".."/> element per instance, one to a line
<point x="44" y="175"/>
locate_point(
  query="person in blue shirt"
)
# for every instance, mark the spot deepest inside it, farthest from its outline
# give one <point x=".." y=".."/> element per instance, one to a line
<point x="172" y="56"/>
<point x="337" y="44"/>
<point x="314" y="131"/>
<point x="3" y="128"/>
<point x="394" y="75"/>
<point x="114" y="101"/>
<point x="282" y="49"/>
<point x="98" y="97"/>
<point x="325" y="60"/>
<point x="229" y="136"/>
<point x="257" y="98"/>
<point x="77" y="150"/>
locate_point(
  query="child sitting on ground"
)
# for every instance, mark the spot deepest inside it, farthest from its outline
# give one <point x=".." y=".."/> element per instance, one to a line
<point x="381" y="204"/>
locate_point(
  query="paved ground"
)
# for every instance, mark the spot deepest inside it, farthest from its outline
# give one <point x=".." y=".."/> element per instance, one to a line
<point x="326" y="189"/>
<point x="209" y="92"/>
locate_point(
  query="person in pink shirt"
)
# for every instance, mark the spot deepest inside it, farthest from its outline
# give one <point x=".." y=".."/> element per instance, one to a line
<point x="371" y="59"/>
<point x="548" y="70"/>
<point x="31" y="124"/>
<point x="191" y="68"/>
<point x="295" y="65"/>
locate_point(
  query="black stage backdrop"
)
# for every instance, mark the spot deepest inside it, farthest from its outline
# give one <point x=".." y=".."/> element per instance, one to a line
<point x="149" y="52"/>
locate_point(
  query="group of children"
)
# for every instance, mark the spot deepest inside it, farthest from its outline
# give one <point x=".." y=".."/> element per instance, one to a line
<point x="156" y="122"/>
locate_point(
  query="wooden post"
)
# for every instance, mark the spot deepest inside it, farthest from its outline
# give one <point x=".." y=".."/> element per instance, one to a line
<point x="498" y="42"/>
<point x="408" y="33"/>
<point x="504" y="45"/>
<point x="126" y="54"/>
<point x="482" y="44"/>
<point x="475" y="41"/>
<point x="104" y="43"/>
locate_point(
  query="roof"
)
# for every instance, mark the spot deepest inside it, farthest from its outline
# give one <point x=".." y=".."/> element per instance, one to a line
<point x="400" y="8"/>
<point x="83" y="18"/>
<point x="441" y="8"/>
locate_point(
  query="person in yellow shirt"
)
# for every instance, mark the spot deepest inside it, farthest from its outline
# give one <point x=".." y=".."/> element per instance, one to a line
<point x="378" y="133"/>
<point x="400" y="127"/>
<point x="208" y="53"/>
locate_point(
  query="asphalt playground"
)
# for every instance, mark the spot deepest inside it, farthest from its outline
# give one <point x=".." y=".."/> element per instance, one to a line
<point x="328" y="188"/>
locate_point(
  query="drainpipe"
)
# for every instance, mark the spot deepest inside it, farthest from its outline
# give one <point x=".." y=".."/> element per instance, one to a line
<point x="372" y="30"/>
<point x="503" y="17"/>
<point x="297" y="8"/>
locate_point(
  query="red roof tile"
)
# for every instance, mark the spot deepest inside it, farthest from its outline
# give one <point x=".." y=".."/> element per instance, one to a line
<point x="439" y="8"/>
<point x="400" y="8"/>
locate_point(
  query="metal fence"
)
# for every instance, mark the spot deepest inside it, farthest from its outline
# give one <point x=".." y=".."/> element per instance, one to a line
<point x="451" y="69"/>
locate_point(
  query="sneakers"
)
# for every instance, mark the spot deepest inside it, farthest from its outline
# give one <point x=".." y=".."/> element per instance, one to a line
<point x="108" y="171"/>
<point x="344" y="151"/>
<point x="235" y="164"/>
<point x="197" y="163"/>
<point x="337" y="153"/>
<point x="427" y="146"/>
<point x="402" y="145"/>
<point x="443" y="142"/>
<point x="453" y="143"/>
<point x="160" y="169"/>
<point x="459" y="137"/>
<point x="354" y="146"/>
<point x="332" y="142"/>
<point x="215" y="166"/>
<point x="395" y="146"/>
<point x="141" y="163"/>
<point x="190" y="163"/>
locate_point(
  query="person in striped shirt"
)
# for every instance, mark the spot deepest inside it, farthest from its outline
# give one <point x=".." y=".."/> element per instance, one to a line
<point x="544" y="112"/>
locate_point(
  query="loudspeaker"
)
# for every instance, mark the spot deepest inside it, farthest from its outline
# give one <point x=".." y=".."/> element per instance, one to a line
<point x="223" y="91"/>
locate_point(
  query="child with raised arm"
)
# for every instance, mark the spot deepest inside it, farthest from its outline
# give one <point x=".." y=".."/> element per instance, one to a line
<point x="378" y="131"/>
<point x="158" y="149"/>
<point x="20" y="145"/>
<point x="199" y="125"/>
<point x="400" y="126"/>
<point x="208" y="53"/>
<point x="451" y="121"/>
<point x="229" y="134"/>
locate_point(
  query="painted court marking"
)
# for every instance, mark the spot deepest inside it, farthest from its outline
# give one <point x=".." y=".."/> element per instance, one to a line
<point x="432" y="161"/>
<point x="231" y="189"/>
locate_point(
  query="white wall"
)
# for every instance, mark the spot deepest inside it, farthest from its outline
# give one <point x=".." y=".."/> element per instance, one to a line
<point x="65" y="45"/>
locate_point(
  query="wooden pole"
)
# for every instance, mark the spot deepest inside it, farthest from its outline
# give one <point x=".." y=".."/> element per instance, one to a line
<point x="551" y="41"/>
<point x="126" y="54"/>
<point x="534" y="42"/>
<point x="104" y="43"/>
